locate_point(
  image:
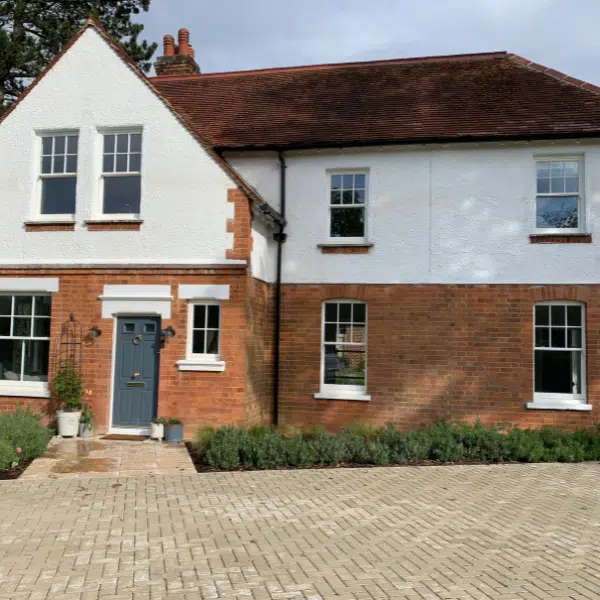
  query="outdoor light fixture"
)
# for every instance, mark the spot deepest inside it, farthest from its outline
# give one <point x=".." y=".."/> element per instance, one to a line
<point x="95" y="332"/>
<point x="168" y="333"/>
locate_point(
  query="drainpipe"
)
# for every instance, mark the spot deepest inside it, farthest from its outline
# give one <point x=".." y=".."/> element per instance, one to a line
<point x="280" y="238"/>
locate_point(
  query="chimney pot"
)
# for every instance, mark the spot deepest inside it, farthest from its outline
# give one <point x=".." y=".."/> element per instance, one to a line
<point x="169" y="45"/>
<point x="184" y="42"/>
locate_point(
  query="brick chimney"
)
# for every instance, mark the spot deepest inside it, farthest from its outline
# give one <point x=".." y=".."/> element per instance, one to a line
<point x="177" y="59"/>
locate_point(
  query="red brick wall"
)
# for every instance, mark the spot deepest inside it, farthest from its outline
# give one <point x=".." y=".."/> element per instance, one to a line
<point x="260" y="317"/>
<point x="199" y="398"/>
<point x="459" y="352"/>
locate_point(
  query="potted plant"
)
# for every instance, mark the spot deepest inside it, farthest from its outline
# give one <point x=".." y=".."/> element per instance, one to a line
<point x="86" y="424"/>
<point x="174" y="430"/>
<point x="67" y="387"/>
<point x="158" y="428"/>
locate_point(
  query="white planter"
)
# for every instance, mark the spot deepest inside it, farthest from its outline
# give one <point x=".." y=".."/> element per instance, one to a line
<point x="158" y="431"/>
<point x="68" y="423"/>
<point x="86" y="430"/>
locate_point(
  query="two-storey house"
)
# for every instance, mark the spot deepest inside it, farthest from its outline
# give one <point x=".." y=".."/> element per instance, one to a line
<point x="395" y="241"/>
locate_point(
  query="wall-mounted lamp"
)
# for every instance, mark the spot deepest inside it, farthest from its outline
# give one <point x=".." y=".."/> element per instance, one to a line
<point x="94" y="332"/>
<point x="168" y="333"/>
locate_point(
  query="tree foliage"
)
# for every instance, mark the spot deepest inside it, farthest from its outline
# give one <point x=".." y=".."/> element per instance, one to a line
<point x="33" y="32"/>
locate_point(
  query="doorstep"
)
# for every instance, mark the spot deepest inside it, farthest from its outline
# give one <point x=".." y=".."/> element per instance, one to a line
<point x="94" y="457"/>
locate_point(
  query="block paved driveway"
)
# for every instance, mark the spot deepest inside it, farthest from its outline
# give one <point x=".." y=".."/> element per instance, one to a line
<point x="502" y="532"/>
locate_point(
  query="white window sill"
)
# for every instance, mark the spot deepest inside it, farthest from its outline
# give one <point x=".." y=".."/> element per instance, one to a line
<point x="345" y="242"/>
<point x="24" y="391"/>
<point x="342" y="395"/>
<point x="559" y="405"/>
<point x="65" y="220"/>
<point x="201" y="365"/>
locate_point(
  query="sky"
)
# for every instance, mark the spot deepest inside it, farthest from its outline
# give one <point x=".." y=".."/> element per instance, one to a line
<point x="231" y="35"/>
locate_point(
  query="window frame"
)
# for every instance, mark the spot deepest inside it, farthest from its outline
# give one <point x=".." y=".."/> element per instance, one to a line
<point x="37" y="214"/>
<point x="559" y="399"/>
<point x="24" y="387"/>
<point x="336" y="389"/>
<point x="581" y="206"/>
<point x="204" y="357"/>
<point x="103" y="176"/>
<point x="350" y="171"/>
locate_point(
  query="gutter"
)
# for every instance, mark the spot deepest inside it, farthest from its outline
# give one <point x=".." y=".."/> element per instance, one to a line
<point x="280" y="238"/>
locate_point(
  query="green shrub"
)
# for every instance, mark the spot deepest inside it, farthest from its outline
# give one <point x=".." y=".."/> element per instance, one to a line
<point x="223" y="451"/>
<point x="8" y="455"/>
<point x="23" y="429"/>
<point x="264" y="451"/>
<point x="328" y="449"/>
<point x="300" y="452"/>
<point x="203" y="439"/>
<point x="67" y="387"/>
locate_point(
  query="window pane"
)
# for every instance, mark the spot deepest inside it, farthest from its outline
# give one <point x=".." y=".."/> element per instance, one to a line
<point x="542" y="315"/>
<point x="557" y="338"/>
<point x="59" y="164"/>
<point x="108" y="163"/>
<point x="109" y="144"/>
<point x="348" y="182"/>
<point x="557" y="169"/>
<point x="122" y="142"/>
<point x="573" y="337"/>
<point x="574" y="315"/>
<point x="212" y="342"/>
<point x="542" y="337"/>
<point x="60" y="144"/>
<point x="122" y="194"/>
<point x="558" y="315"/>
<point x="360" y="197"/>
<point x="199" y="317"/>
<point x="359" y="181"/>
<point x="129" y="328"/>
<point x="47" y="164"/>
<point x="557" y="185"/>
<point x="41" y="328"/>
<point x="5" y="305"/>
<point x="121" y="163"/>
<point x="359" y="312"/>
<point x="345" y="312"/>
<point x="571" y="185"/>
<point x="22" y="327"/>
<point x="557" y="212"/>
<point x="36" y="361"/>
<point x="135" y="162"/>
<point x="135" y="142"/>
<point x="213" y="317"/>
<point x="10" y="360"/>
<point x="150" y="328"/>
<point x="347" y="222"/>
<point x="347" y="197"/>
<point x="359" y="334"/>
<point x="4" y="326"/>
<point x="543" y="186"/>
<point x="331" y="311"/>
<point x="71" y="164"/>
<point x="72" y="143"/>
<point x="43" y="305"/>
<point x="58" y="196"/>
<point x="331" y="332"/>
<point x="198" y="343"/>
<point x="571" y="168"/>
<point x="344" y="367"/>
<point x="47" y="145"/>
<point x="336" y="197"/>
<point x="336" y="182"/>
<point x="23" y="305"/>
<point x="555" y="371"/>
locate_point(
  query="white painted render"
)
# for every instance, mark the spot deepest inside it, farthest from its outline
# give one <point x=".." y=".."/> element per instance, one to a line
<point x="29" y="284"/>
<point x="136" y="300"/>
<point x="452" y="214"/>
<point x="184" y="192"/>
<point x="264" y="252"/>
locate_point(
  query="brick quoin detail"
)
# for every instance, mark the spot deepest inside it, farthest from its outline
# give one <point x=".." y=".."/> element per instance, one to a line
<point x="580" y="238"/>
<point x="49" y="226"/>
<point x="114" y="225"/>
<point x="240" y="226"/>
<point x="434" y="351"/>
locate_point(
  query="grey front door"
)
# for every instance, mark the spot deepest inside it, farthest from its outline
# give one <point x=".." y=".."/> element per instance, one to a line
<point x="136" y="371"/>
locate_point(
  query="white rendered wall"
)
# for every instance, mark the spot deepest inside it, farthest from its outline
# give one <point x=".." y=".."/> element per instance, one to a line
<point x="264" y="252"/>
<point x="451" y="214"/>
<point x="184" y="192"/>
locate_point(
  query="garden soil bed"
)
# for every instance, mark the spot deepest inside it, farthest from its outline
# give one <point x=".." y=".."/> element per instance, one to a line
<point x="203" y="468"/>
<point x="16" y="472"/>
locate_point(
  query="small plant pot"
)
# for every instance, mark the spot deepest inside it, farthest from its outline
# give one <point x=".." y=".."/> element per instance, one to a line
<point x="86" y="430"/>
<point x="174" y="433"/>
<point x="158" y="431"/>
<point x="68" y="422"/>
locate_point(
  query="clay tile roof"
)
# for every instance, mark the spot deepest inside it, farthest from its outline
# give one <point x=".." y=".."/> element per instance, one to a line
<point x="447" y="98"/>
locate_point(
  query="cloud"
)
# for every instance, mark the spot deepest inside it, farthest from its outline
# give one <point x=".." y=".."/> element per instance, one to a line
<point x="248" y="34"/>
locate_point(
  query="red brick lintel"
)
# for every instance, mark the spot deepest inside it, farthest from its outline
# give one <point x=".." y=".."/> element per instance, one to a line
<point x="558" y="238"/>
<point x="110" y="225"/>
<point x="50" y="226"/>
